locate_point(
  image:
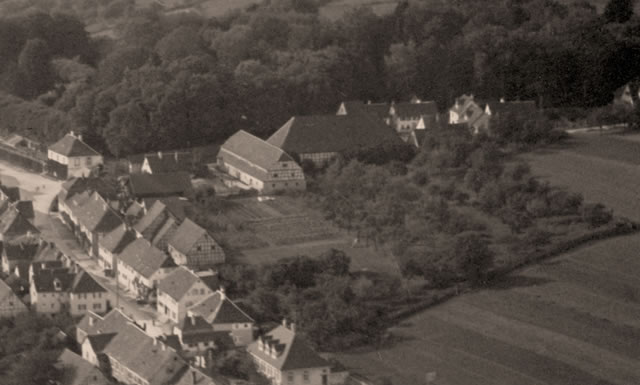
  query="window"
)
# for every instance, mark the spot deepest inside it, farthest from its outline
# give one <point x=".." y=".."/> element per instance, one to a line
<point x="76" y="162"/>
<point x="286" y="184"/>
<point x="52" y="305"/>
<point x="284" y="165"/>
<point x="97" y="306"/>
<point x="88" y="162"/>
<point x="275" y="174"/>
<point x="94" y="295"/>
<point x="305" y="376"/>
<point x="273" y="185"/>
<point x="201" y="291"/>
<point x="290" y="377"/>
<point x="199" y="248"/>
<point x="82" y="307"/>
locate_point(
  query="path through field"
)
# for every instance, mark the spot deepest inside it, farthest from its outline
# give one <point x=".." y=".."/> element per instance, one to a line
<point x="574" y="319"/>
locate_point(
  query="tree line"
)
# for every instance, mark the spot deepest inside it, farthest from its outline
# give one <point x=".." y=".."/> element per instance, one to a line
<point x="180" y="80"/>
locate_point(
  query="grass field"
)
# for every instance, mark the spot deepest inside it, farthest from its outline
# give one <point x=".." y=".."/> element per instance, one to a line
<point x="574" y="319"/>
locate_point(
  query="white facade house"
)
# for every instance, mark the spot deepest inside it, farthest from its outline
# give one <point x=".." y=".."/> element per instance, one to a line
<point x="73" y="155"/>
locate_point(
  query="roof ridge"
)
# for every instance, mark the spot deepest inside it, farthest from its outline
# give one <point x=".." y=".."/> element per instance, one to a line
<point x="272" y="145"/>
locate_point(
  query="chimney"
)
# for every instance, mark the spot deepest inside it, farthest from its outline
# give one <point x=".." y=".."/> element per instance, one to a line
<point x="284" y="322"/>
<point x="79" y="137"/>
<point x="71" y="133"/>
<point x="502" y="100"/>
<point x="193" y="320"/>
<point x="223" y="295"/>
<point x="159" y="154"/>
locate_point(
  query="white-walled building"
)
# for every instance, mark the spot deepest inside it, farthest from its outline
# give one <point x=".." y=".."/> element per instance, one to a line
<point x="73" y="157"/>
<point x="179" y="290"/>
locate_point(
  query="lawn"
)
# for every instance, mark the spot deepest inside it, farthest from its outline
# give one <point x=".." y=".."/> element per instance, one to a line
<point x="573" y="319"/>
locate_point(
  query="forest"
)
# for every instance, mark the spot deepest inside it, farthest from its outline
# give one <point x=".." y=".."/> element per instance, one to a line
<point x="176" y="81"/>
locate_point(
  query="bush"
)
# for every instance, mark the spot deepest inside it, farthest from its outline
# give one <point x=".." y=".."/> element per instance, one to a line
<point x="596" y="215"/>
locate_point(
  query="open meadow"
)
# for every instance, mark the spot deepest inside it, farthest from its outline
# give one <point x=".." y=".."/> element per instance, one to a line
<point x="573" y="319"/>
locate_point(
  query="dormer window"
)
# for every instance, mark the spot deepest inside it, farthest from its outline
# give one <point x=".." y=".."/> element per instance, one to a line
<point x="284" y="165"/>
<point x="57" y="285"/>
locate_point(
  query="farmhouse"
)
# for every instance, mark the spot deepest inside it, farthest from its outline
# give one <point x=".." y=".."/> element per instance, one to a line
<point x="260" y="165"/>
<point x="92" y="323"/>
<point x="160" y="163"/>
<point x="377" y="110"/>
<point x="405" y="116"/>
<point x="285" y="358"/>
<point x="141" y="266"/>
<point x="222" y="314"/>
<point x="193" y="246"/>
<point x="321" y="138"/>
<point x="467" y="110"/>
<point x="112" y="244"/>
<point x="178" y="291"/>
<point x="22" y="249"/>
<point x="71" y="157"/>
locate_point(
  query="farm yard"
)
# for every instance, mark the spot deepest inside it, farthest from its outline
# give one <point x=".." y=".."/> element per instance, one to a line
<point x="573" y="319"/>
<point x="263" y="232"/>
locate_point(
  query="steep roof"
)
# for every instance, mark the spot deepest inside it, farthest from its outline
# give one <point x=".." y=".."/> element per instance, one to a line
<point x="44" y="280"/>
<point x="169" y="161"/>
<point x="193" y="376"/>
<point x="148" y="224"/>
<point x="178" y="283"/>
<point x="218" y="309"/>
<point x="145" y="258"/>
<point x="180" y="207"/>
<point x="95" y="213"/>
<point x="77" y="371"/>
<point x="13" y="222"/>
<point x="186" y="236"/>
<point x="26" y="209"/>
<point x="117" y="239"/>
<point x="83" y="282"/>
<point x="70" y="145"/>
<point x="11" y="193"/>
<point x="166" y="184"/>
<point x="409" y="109"/>
<point x="23" y="248"/>
<point x="112" y="322"/>
<point x="7" y="295"/>
<point x="87" y="185"/>
<point x="332" y="133"/>
<point x="524" y="107"/>
<point x="99" y="341"/>
<point x="145" y="355"/>
<point x="379" y="110"/>
<point x="293" y="352"/>
<point x="252" y="154"/>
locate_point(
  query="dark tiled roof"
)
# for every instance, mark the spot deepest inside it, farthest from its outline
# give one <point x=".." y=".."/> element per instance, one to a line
<point x="95" y="214"/>
<point x="293" y="351"/>
<point x="80" y="185"/>
<point x="169" y="161"/>
<point x="117" y="239"/>
<point x="14" y="223"/>
<point x="178" y="283"/>
<point x="192" y="376"/>
<point x="408" y="109"/>
<point x="221" y="338"/>
<point x="44" y="280"/>
<point x="6" y="294"/>
<point x="379" y="110"/>
<point x="218" y="309"/>
<point x="186" y="236"/>
<point x="144" y="355"/>
<point x="48" y="252"/>
<point x="99" y="341"/>
<point x="332" y="133"/>
<point x="85" y="283"/>
<point x="26" y="209"/>
<point x="43" y="265"/>
<point x="12" y="193"/>
<point x="112" y="322"/>
<point x="180" y="207"/>
<point x="77" y="371"/>
<point x="72" y="146"/>
<point x="157" y="224"/>
<point x="135" y="210"/>
<point x="513" y="107"/>
<point x="23" y="248"/>
<point x="149" y="185"/>
<point x="252" y="154"/>
<point x="144" y="258"/>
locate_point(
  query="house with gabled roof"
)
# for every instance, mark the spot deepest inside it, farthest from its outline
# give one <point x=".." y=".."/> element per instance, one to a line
<point x="321" y="138"/>
<point x="478" y="116"/>
<point x="13" y="224"/>
<point x="93" y="349"/>
<point x="406" y="115"/>
<point x="137" y="358"/>
<point x="178" y="291"/>
<point x="222" y="314"/>
<point x="193" y="246"/>
<point x="143" y="185"/>
<point x="260" y="165"/>
<point x="20" y="249"/>
<point x="141" y="266"/>
<point x="75" y="186"/>
<point x="112" y="244"/>
<point x="378" y="110"/>
<point x="86" y="293"/>
<point x="93" y="323"/>
<point x="285" y="357"/>
<point x="77" y="371"/>
<point x="10" y="304"/>
<point x="157" y="225"/>
<point x="71" y="157"/>
<point x="10" y="194"/>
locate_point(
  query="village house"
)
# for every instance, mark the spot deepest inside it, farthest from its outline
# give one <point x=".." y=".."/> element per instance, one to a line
<point x="93" y="218"/>
<point x="136" y="358"/>
<point x="9" y="194"/>
<point x="170" y="184"/>
<point x="92" y="323"/>
<point x="13" y="225"/>
<point x="10" y="304"/>
<point x="222" y="314"/>
<point x="76" y="371"/>
<point x="157" y="225"/>
<point x="378" y="110"/>
<point x="59" y="289"/>
<point x="112" y="244"/>
<point x="93" y="346"/>
<point x="287" y="359"/>
<point x="321" y="138"/>
<point x="260" y="165"/>
<point x="141" y="266"/>
<point x="71" y="157"/>
<point x="180" y="290"/>
<point x="467" y="110"/>
<point x="20" y="250"/>
<point x="197" y="337"/>
<point x="405" y="116"/>
<point x="627" y="95"/>
<point x="193" y="246"/>
<point x="76" y="186"/>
